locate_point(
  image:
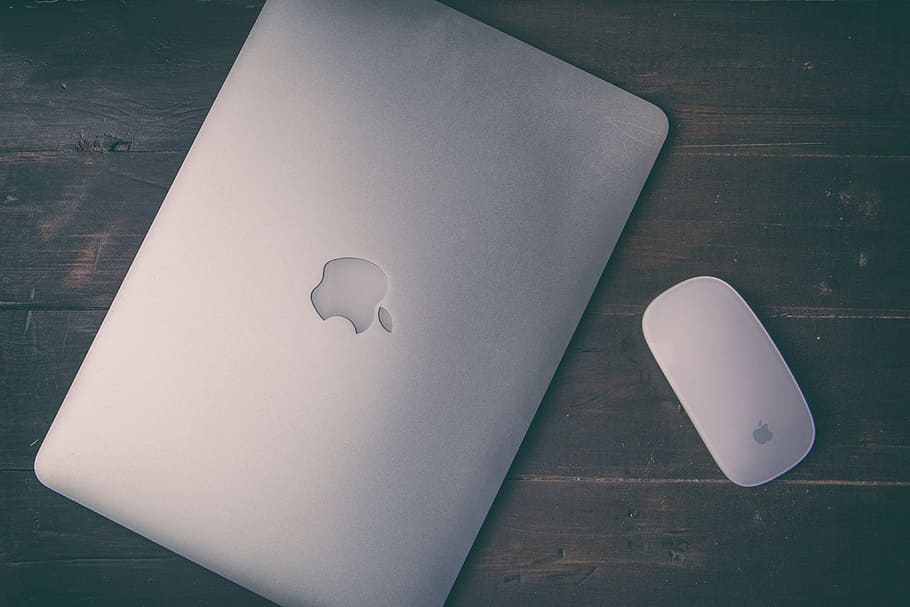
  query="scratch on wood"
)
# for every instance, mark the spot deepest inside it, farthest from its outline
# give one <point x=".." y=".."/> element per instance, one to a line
<point x="586" y="576"/>
<point x="87" y="560"/>
<point x="135" y="179"/>
<point x="88" y="260"/>
<point x="616" y="480"/>
<point x="730" y="151"/>
<point x="66" y="330"/>
<point x="707" y="146"/>
<point x="28" y="322"/>
<point x="97" y="254"/>
<point x="836" y="313"/>
<point x="559" y="556"/>
<point x="106" y="142"/>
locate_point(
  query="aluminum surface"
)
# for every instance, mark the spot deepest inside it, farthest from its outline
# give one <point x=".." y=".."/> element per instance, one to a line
<point x="219" y="415"/>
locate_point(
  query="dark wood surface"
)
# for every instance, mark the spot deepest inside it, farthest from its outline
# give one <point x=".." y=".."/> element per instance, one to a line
<point x="786" y="173"/>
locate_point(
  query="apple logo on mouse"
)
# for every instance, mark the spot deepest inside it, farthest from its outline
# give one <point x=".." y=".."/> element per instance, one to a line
<point x="352" y="288"/>
<point x="761" y="434"/>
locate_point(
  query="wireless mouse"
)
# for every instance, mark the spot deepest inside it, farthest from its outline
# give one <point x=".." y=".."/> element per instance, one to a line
<point x="730" y="378"/>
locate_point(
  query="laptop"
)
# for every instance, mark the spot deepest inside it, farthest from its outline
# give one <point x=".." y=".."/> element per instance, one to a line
<point x="323" y="359"/>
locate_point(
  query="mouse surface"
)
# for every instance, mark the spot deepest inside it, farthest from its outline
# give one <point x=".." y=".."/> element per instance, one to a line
<point x="730" y="378"/>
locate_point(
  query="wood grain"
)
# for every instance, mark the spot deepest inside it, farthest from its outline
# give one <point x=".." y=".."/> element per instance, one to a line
<point x="780" y="78"/>
<point x="568" y="543"/>
<point x="784" y="173"/>
<point x="109" y="76"/>
<point x="609" y="412"/>
<point x="52" y="554"/>
<point x="559" y="542"/>
<point x="808" y="235"/>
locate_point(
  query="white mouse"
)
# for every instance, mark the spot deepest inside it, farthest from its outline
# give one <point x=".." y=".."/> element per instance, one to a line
<point x="730" y="378"/>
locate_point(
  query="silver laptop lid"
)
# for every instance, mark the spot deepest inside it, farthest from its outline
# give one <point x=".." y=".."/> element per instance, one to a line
<point x="471" y="188"/>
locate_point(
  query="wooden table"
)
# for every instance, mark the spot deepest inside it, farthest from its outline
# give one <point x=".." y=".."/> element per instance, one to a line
<point x="787" y="172"/>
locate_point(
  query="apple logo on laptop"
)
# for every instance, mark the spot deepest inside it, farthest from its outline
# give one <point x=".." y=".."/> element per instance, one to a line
<point x="761" y="434"/>
<point x="352" y="288"/>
